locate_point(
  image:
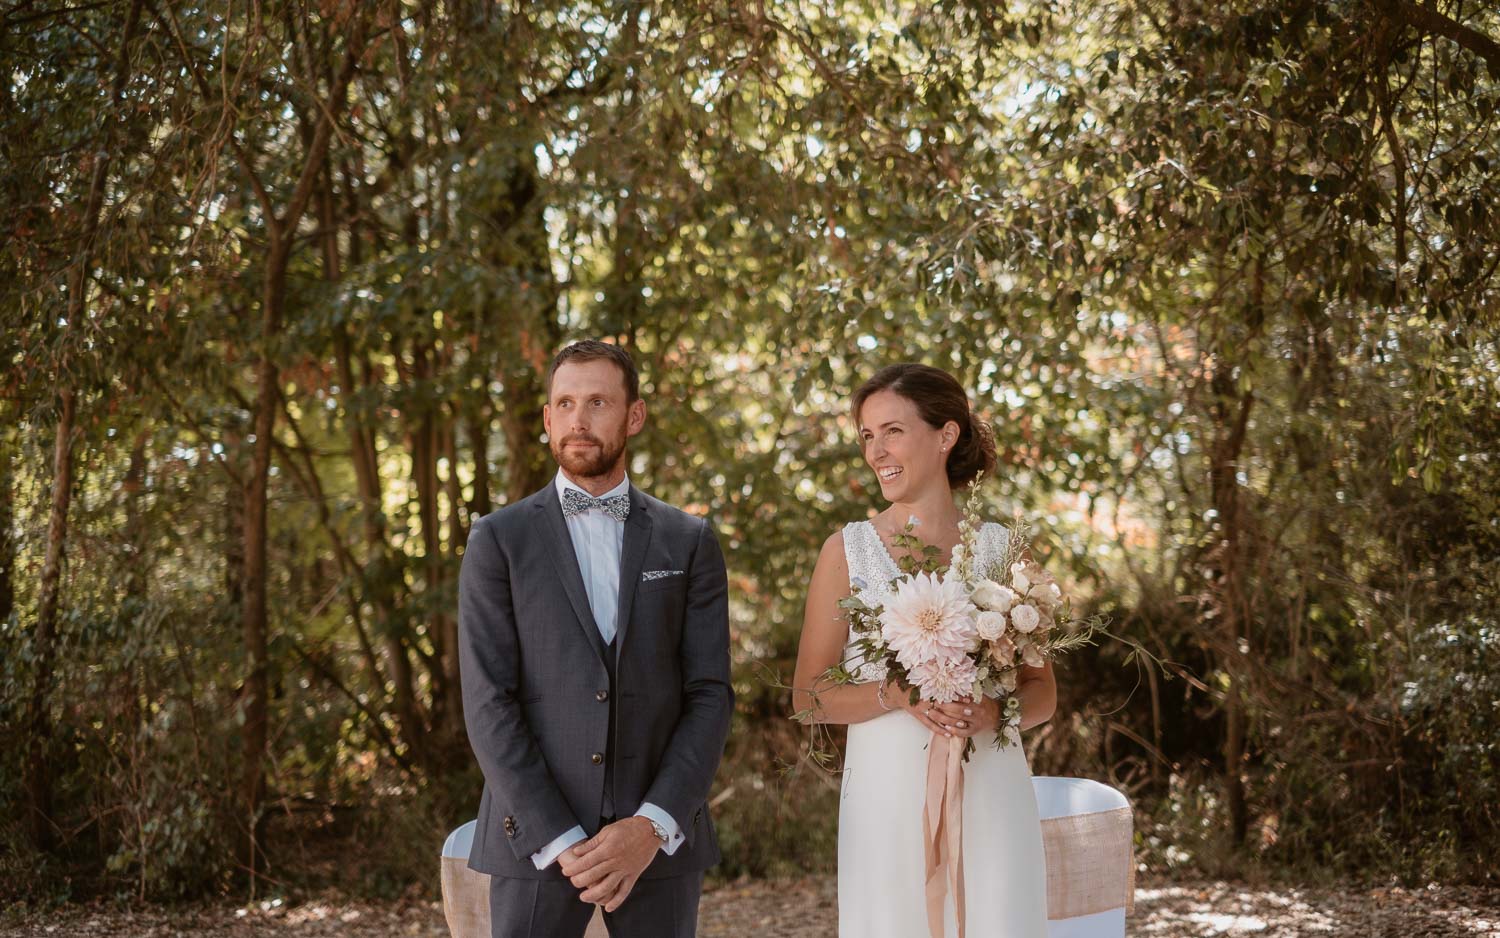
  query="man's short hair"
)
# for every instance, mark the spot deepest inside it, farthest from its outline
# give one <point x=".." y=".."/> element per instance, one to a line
<point x="590" y="350"/>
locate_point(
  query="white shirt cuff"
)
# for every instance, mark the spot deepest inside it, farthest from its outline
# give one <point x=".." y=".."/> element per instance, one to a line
<point x="675" y="838"/>
<point x="548" y="855"/>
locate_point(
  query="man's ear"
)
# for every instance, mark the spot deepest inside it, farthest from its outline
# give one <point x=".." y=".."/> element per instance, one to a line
<point x="547" y="419"/>
<point x="637" y="419"/>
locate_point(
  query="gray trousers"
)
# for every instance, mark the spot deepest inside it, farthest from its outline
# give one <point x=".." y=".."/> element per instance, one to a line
<point x="546" y="908"/>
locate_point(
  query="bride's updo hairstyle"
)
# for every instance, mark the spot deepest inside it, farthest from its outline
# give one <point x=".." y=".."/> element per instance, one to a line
<point x="939" y="398"/>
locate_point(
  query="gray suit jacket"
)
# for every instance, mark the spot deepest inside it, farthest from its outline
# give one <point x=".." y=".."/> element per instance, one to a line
<point x="536" y="690"/>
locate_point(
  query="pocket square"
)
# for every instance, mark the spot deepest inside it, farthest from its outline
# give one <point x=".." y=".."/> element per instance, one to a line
<point x="649" y="575"/>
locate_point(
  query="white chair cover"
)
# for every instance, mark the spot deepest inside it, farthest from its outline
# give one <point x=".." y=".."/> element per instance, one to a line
<point x="1086" y="831"/>
<point x="1088" y="838"/>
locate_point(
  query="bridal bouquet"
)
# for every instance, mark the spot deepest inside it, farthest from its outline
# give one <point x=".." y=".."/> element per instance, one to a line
<point x="961" y="632"/>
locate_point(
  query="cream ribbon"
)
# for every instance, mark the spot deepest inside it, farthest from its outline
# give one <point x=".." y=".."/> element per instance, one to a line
<point x="943" y="830"/>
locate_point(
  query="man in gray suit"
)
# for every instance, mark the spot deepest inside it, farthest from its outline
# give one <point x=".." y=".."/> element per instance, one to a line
<point x="594" y="647"/>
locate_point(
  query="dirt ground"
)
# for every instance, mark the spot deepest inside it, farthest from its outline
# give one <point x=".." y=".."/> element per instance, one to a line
<point x="805" y="908"/>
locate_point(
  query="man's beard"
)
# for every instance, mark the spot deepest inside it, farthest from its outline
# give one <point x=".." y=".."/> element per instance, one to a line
<point x="588" y="464"/>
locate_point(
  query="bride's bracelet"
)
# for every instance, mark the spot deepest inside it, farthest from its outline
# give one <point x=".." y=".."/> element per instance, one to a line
<point x="880" y="697"/>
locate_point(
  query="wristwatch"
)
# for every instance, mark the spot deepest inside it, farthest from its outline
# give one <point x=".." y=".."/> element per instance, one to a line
<point x="659" y="831"/>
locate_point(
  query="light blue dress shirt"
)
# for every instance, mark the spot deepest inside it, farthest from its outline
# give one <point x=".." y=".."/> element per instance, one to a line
<point x="597" y="541"/>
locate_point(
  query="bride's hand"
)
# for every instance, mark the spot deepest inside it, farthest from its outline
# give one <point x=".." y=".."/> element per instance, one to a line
<point x="924" y="712"/>
<point x="968" y="718"/>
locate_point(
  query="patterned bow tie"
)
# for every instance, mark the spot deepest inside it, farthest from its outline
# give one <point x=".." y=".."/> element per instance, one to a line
<point x="575" y="503"/>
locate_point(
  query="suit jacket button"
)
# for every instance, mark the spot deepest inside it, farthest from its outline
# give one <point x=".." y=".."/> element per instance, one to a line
<point x="510" y="826"/>
<point x="597" y="758"/>
<point x="602" y="696"/>
<point x="697" y="815"/>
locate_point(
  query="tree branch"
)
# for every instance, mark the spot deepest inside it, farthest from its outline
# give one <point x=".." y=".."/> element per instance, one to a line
<point x="1427" y="19"/>
<point x="318" y="149"/>
<point x="192" y="65"/>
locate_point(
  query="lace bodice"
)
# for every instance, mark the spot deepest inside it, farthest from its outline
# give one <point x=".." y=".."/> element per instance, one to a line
<point x="871" y="570"/>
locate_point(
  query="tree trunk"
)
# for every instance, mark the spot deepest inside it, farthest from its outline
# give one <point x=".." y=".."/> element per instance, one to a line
<point x="521" y="420"/>
<point x="1232" y="411"/>
<point x="478" y="430"/>
<point x="234" y="532"/>
<point x="281" y="237"/>
<point x="538" y="333"/>
<point x="423" y="442"/>
<point x="44" y="638"/>
<point x="136" y="692"/>
<point x="253" y="609"/>
<point x="137" y="571"/>
<point x="458" y="533"/>
<point x="7" y="518"/>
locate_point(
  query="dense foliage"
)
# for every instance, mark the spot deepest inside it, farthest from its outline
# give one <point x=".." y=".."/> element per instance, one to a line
<point x="280" y="282"/>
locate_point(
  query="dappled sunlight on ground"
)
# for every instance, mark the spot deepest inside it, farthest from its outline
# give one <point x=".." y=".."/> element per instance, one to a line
<point x="1214" y="909"/>
<point x="807" y="908"/>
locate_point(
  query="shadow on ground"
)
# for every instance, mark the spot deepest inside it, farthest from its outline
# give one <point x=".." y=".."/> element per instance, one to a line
<point x="807" y="908"/>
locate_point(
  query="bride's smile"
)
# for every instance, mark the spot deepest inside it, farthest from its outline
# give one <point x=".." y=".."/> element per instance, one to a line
<point x="906" y="452"/>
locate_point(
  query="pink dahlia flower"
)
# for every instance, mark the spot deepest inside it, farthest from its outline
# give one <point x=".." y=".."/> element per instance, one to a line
<point x="927" y="617"/>
<point x="945" y="679"/>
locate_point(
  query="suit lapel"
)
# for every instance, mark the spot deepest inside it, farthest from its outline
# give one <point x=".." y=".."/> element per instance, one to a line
<point x="632" y="558"/>
<point x="555" y="533"/>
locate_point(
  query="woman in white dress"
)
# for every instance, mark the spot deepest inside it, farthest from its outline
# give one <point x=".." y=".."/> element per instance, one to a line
<point x="923" y="441"/>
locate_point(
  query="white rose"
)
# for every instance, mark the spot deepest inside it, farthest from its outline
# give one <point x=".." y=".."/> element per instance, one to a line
<point x="991" y="625"/>
<point x="1025" y="617"/>
<point x="991" y="595"/>
<point x="1018" y="577"/>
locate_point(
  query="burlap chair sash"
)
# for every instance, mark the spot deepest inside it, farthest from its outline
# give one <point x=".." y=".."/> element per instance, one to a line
<point x="466" y="899"/>
<point x="1090" y="864"/>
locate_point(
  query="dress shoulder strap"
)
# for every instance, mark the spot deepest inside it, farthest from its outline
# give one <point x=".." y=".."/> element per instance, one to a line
<point x="862" y="549"/>
<point x="994" y="538"/>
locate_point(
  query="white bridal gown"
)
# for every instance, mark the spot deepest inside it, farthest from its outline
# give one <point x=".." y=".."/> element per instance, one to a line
<point x="881" y="878"/>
